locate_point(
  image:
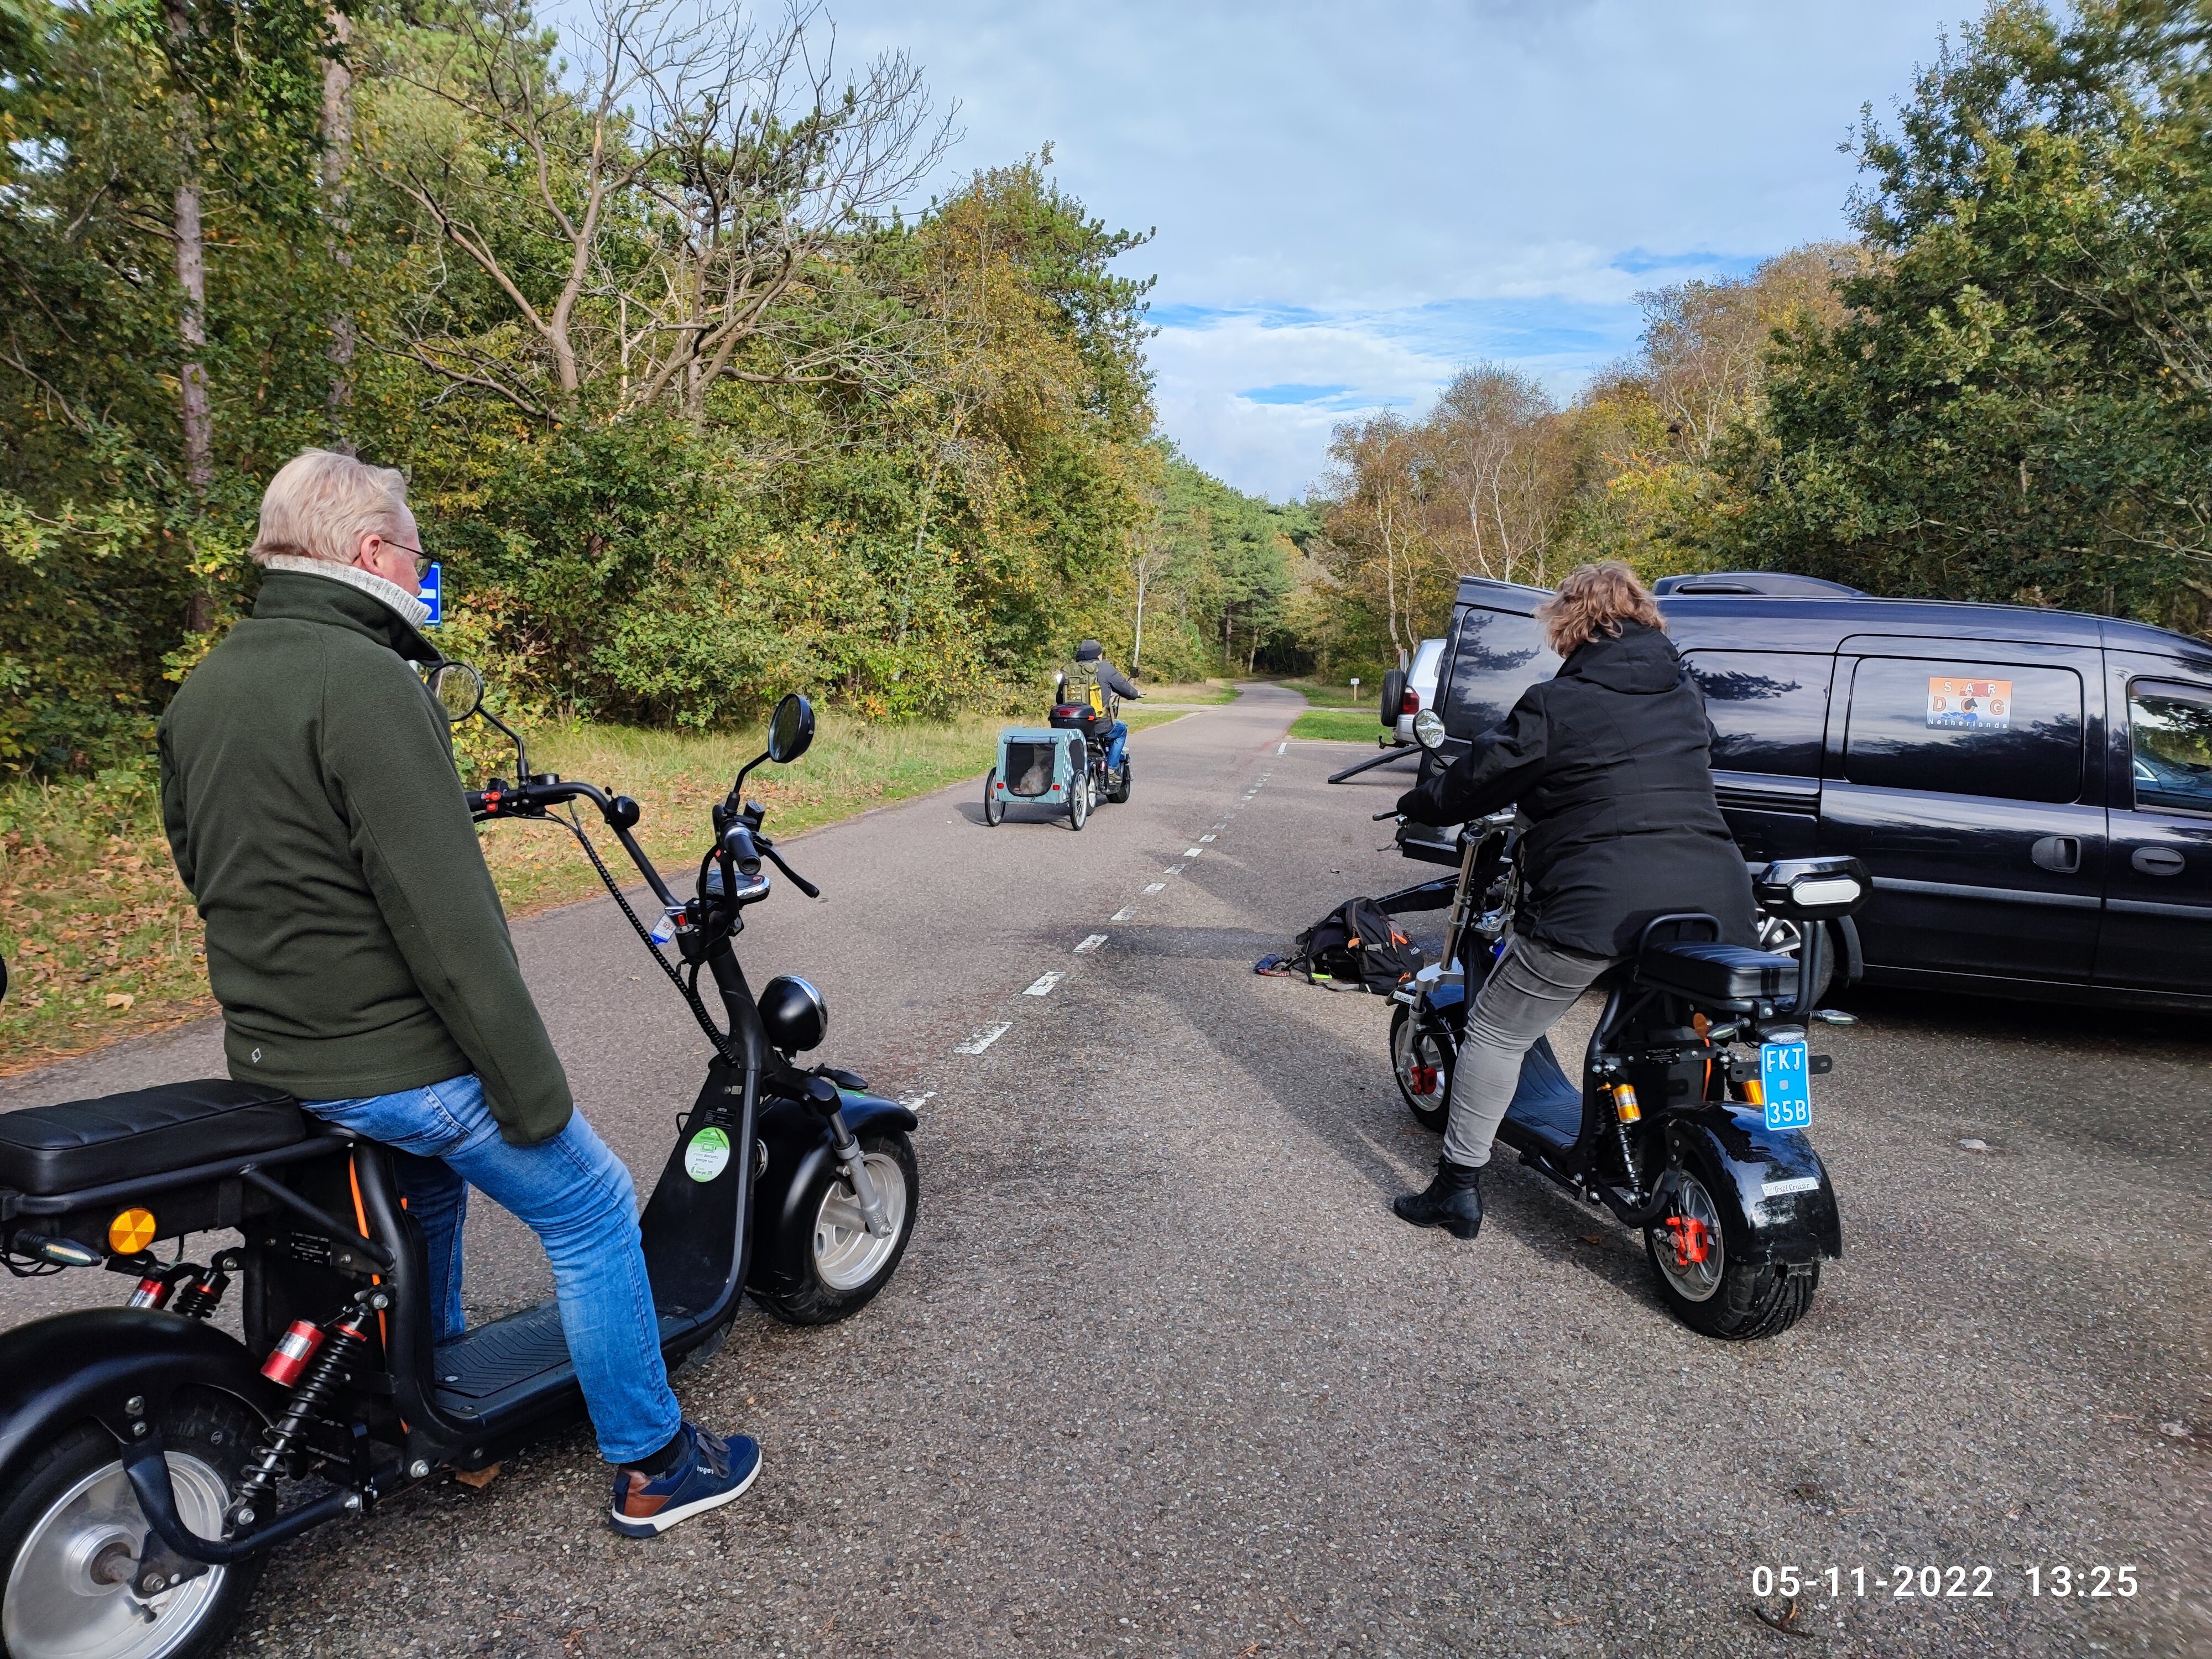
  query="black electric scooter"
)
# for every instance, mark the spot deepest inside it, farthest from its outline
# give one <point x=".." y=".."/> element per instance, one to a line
<point x="143" y="1448"/>
<point x="1689" y="1119"/>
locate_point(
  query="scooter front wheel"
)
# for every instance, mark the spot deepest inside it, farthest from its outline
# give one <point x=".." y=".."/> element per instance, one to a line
<point x="1421" y="1061"/>
<point x="840" y="1265"/>
<point x="1736" y="1302"/>
<point x="72" y="1531"/>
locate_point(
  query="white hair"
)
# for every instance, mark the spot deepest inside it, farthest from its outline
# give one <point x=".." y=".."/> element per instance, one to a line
<point x="321" y="503"/>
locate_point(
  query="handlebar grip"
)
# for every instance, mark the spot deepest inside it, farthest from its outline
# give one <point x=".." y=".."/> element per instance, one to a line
<point x="1378" y="817"/>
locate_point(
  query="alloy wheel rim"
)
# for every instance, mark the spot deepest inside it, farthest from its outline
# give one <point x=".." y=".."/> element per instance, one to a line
<point x="58" y="1603"/>
<point x="1693" y="1281"/>
<point x="846" y="1254"/>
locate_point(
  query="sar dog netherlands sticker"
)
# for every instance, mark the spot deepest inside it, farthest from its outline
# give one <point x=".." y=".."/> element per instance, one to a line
<point x="708" y="1155"/>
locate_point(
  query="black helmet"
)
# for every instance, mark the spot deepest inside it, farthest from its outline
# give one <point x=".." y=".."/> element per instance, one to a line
<point x="1089" y="650"/>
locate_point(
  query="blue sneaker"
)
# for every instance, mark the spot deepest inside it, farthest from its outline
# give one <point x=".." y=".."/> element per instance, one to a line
<point x="711" y="1472"/>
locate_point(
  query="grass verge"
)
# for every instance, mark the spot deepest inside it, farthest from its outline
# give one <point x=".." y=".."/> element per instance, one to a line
<point x="1337" y="726"/>
<point x="101" y="940"/>
<point x="1208" y="691"/>
<point x="1339" y="695"/>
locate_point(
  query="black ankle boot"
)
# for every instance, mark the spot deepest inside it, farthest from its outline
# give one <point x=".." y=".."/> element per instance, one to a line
<point x="1452" y="1201"/>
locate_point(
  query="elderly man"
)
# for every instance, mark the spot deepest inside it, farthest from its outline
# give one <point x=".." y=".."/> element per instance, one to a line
<point x="359" y="951"/>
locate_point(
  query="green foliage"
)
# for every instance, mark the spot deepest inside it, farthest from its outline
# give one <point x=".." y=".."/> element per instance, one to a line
<point x="2019" y="406"/>
<point x="903" y="479"/>
<point x="1226" y="575"/>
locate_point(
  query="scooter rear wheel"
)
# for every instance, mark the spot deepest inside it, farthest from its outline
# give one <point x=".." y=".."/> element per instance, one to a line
<point x="1119" y="794"/>
<point x="839" y="1266"/>
<point x="70" y="1530"/>
<point x="1736" y="1302"/>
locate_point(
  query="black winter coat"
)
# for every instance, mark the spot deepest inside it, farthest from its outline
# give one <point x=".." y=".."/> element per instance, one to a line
<point x="1611" y="761"/>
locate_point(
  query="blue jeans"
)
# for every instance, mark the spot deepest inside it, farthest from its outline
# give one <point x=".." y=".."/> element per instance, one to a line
<point x="1117" y="741"/>
<point x="577" y="1197"/>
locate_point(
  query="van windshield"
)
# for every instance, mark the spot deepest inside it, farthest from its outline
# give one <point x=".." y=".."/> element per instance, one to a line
<point x="1495" y="657"/>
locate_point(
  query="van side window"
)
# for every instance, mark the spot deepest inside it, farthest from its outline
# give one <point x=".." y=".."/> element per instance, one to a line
<point x="1495" y="658"/>
<point x="2170" y="737"/>
<point x="1769" y="709"/>
<point x="1956" y="727"/>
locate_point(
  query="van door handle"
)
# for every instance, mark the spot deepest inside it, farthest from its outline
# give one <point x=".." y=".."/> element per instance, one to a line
<point x="2062" y="854"/>
<point x="2157" y="861"/>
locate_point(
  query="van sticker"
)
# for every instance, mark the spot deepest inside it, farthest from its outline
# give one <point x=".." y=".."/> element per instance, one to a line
<point x="1965" y="705"/>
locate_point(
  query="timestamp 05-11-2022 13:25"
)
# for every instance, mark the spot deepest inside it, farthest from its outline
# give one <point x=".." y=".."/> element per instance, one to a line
<point x="2036" y="1580"/>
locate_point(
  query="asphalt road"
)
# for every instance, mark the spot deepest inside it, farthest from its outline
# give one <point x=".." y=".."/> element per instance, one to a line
<point x="1162" y="1375"/>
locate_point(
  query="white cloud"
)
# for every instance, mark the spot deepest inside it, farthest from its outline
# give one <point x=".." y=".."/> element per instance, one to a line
<point x="1386" y="189"/>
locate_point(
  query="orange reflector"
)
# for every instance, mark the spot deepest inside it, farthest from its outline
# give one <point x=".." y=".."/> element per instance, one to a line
<point x="130" y="1232"/>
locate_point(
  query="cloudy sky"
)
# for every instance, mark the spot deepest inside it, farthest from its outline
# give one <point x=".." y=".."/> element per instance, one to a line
<point x="1353" y="200"/>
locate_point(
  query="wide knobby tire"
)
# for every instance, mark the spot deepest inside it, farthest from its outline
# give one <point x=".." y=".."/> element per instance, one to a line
<point x="69" y="1524"/>
<point x="994" y="809"/>
<point x="1734" y="1301"/>
<point x="1119" y="794"/>
<point x="839" y="1270"/>
<point x="1432" y="1110"/>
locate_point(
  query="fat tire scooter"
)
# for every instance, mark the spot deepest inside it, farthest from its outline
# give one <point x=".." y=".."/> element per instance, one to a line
<point x="142" y="1449"/>
<point x="1689" y="1120"/>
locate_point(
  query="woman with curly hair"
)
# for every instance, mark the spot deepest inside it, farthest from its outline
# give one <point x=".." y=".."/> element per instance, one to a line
<point x="1611" y="763"/>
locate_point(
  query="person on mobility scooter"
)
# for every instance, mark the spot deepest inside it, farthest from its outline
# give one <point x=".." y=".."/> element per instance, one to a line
<point x="1089" y="697"/>
<point x="362" y="957"/>
<point x="1610" y="762"/>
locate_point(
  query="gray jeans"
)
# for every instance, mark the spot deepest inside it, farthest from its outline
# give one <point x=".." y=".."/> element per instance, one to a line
<point x="1531" y="985"/>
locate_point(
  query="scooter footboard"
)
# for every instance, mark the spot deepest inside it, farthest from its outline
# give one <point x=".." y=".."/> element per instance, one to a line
<point x="1776" y="1204"/>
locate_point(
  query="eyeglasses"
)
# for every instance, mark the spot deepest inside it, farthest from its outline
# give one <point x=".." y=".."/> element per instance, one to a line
<point x="421" y="559"/>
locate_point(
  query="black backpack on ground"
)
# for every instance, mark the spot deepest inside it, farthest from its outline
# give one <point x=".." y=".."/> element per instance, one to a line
<point x="1359" y="943"/>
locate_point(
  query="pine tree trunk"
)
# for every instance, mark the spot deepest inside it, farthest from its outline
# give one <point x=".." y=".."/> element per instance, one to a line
<point x="194" y="418"/>
<point x="337" y="159"/>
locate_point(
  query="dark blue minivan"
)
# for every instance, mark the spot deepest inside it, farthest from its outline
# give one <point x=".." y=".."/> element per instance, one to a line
<point x="2030" y="789"/>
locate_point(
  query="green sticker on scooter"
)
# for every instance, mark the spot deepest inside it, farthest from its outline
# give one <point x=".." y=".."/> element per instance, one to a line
<point x="708" y="1155"/>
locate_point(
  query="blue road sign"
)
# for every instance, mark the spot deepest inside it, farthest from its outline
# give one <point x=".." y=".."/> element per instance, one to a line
<point x="433" y="595"/>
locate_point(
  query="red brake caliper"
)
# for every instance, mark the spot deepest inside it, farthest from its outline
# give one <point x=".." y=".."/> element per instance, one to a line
<point x="1692" y="1242"/>
<point x="1423" y="1077"/>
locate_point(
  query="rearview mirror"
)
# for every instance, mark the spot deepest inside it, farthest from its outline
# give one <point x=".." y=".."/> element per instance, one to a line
<point x="790" y="729"/>
<point x="1429" y="729"/>
<point x="459" y="688"/>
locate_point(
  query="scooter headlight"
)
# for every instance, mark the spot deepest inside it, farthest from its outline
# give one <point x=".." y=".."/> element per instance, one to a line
<point x="794" y="1013"/>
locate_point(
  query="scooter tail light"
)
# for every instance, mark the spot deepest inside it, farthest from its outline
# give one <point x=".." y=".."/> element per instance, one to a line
<point x="290" y="1355"/>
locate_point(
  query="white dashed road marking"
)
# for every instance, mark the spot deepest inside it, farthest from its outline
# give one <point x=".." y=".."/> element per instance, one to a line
<point x="984" y="1038"/>
<point x="1190" y="852"/>
<point x="1174" y="869"/>
<point x="1157" y="887"/>
<point x="1122" y="915"/>
<point x="1045" y="982"/>
<point x="913" y="1103"/>
<point x="1091" y="944"/>
<point x="1202" y="840"/>
<point x="1281" y="746"/>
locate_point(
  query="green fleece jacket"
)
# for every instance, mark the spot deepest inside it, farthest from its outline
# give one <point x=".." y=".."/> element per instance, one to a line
<point x="354" y="937"/>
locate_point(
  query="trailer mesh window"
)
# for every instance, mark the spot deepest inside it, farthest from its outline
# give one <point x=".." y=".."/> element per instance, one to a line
<point x="1028" y="768"/>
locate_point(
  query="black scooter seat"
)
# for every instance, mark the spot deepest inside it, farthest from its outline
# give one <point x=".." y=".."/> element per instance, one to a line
<point x="1728" y="975"/>
<point x="47" y="1150"/>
